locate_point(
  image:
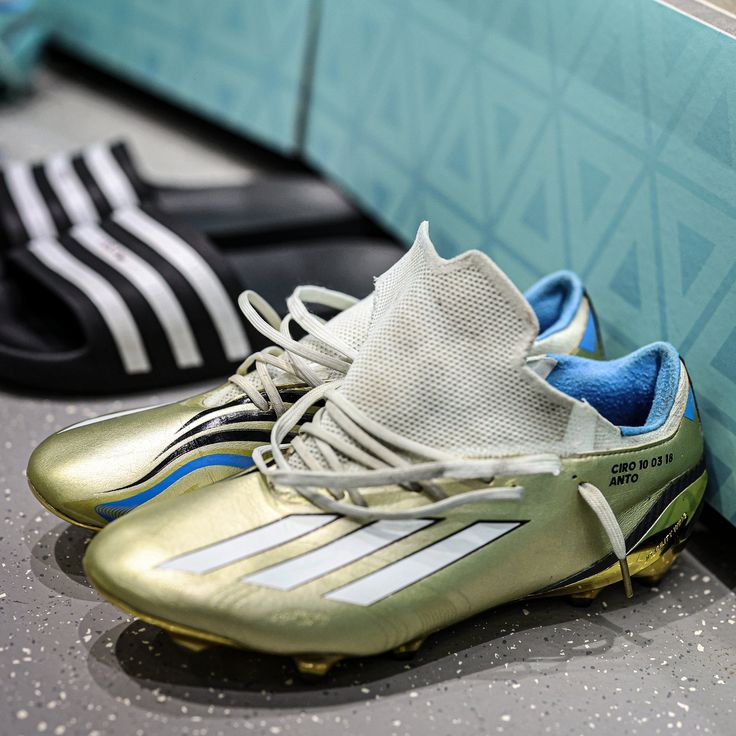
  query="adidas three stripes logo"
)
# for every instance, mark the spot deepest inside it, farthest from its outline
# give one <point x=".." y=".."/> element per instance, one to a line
<point x="135" y="268"/>
<point x="335" y="554"/>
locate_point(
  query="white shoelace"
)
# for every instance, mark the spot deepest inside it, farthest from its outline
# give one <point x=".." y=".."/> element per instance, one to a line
<point x="377" y="449"/>
<point x="324" y="481"/>
<point x="287" y="355"/>
<point x="602" y="509"/>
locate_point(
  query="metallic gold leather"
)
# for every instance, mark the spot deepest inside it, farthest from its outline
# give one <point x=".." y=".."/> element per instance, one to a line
<point x="560" y="537"/>
<point x="74" y="470"/>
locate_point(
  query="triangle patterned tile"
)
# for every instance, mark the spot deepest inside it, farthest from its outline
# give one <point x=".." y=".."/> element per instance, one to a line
<point x="676" y="49"/>
<point x="622" y="277"/>
<point x="518" y="38"/>
<point x="700" y="146"/>
<point x="598" y="174"/>
<point x="607" y="86"/>
<point x="572" y="23"/>
<point x="697" y="255"/>
<point x="512" y="121"/>
<point x="533" y="220"/>
<point x="455" y="164"/>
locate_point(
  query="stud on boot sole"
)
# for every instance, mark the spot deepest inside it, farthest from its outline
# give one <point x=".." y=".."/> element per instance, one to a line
<point x="408" y="650"/>
<point x="192" y="645"/>
<point x="654" y="573"/>
<point x="584" y="598"/>
<point x="317" y="666"/>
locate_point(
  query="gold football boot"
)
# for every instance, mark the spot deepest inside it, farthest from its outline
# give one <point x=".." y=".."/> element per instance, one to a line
<point x="444" y="475"/>
<point x="100" y="469"/>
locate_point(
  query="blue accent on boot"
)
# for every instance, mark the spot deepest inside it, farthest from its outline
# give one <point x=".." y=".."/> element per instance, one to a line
<point x="690" y="407"/>
<point x="589" y="342"/>
<point x="114" y="509"/>
<point x="636" y="393"/>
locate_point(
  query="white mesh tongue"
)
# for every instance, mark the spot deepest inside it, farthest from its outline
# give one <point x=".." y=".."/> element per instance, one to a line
<point x="353" y="324"/>
<point x="350" y="326"/>
<point x="444" y="361"/>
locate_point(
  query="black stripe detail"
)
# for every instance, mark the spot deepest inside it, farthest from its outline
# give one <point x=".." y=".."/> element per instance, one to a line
<point x="225" y="419"/>
<point x="596" y="323"/>
<point x="239" y="435"/>
<point x="154" y="337"/>
<point x="288" y="396"/>
<point x="51" y="200"/>
<point x="671" y="491"/>
<point x="121" y="153"/>
<point x="203" y="328"/>
<point x="90" y="184"/>
<point x="86" y="325"/>
<point x="219" y="261"/>
<point x="13" y="231"/>
<point x="206" y="412"/>
<point x="692" y="389"/>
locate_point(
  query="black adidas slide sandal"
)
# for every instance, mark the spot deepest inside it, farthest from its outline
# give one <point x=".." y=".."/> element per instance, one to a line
<point x="47" y="198"/>
<point x="142" y="300"/>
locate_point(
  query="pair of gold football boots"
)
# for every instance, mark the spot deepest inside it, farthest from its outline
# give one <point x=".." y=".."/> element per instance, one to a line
<point x="443" y="447"/>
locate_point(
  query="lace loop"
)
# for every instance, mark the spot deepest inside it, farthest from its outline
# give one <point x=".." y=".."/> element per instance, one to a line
<point x="289" y="356"/>
<point x="250" y="303"/>
<point x="313" y="324"/>
<point x="602" y="509"/>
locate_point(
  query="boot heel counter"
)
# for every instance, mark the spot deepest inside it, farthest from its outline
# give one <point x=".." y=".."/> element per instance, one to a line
<point x="591" y="343"/>
<point x="692" y="411"/>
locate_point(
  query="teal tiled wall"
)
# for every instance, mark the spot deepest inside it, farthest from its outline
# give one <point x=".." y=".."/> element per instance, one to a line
<point x="238" y="62"/>
<point x="588" y="134"/>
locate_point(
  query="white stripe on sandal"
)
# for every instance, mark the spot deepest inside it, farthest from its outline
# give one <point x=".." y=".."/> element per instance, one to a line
<point x="110" y="304"/>
<point x="109" y="176"/>
<point x="151" y="284"/>
<point x="197" y="271"/>
<point x="28" y="201"/>
<point x="70" y="190"/>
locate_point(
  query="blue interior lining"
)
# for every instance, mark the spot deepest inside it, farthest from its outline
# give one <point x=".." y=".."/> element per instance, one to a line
<point x="555" y="300"/>
<point x="636" y="393"/>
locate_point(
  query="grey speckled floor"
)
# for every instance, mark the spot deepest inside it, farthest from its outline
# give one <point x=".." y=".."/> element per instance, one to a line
<point x="664" y="663"/>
